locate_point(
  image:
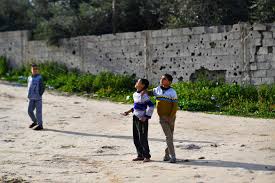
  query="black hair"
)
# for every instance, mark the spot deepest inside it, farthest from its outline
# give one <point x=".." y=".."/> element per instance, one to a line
<point x="145" y="82"/>
<point x="34" y="65"/>
<point x="168" y="77"/>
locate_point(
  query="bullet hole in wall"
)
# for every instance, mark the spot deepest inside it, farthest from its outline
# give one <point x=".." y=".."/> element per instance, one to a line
<point x="269" y="49"/>
<point x="155" y="60"/>
<point x="212" y="44"/>
<point x="212" y="75"/>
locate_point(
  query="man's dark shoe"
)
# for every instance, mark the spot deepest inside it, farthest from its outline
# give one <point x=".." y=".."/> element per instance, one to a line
<point x="166" y="158"/>
<point x="173" y="160"/>
<point x="38" y="128"/>
<point x="146" y="160"/>
<point x="138" y="159"/>
<point x="32" y="125"/>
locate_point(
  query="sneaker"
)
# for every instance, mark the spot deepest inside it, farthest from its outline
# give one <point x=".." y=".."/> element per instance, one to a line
<point x="38" y="128"/>
<point x="146" y="160"/>
<point x="166" y="158"/>
<point x="173" y="160"/>
<point x="32" y="125"/>
<point x="138" y="159"/>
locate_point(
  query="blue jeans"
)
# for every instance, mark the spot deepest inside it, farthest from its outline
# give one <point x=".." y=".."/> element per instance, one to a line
<point x="37" y="105"/>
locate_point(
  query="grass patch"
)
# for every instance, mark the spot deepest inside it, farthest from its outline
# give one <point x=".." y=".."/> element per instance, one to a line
<point x="231" y="99"/>
<point x="106" y="85"/>
<point x="206" y="96"/>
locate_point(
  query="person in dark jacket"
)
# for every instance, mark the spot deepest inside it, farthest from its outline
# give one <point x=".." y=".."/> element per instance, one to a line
<point x="35" y="92"/>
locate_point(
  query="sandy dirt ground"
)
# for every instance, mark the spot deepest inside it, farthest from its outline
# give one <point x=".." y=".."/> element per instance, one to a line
<point x="87" y="140"/>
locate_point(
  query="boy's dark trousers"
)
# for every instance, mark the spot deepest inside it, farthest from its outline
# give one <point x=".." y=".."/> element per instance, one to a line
<point x="37" y="105"/>
<point x="140" y="135"/>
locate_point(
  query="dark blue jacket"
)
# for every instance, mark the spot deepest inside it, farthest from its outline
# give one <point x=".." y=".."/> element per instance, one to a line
<point x="35" y="87"/>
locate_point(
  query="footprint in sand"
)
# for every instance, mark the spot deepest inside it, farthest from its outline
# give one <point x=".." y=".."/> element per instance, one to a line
<point x="188" y="147"/>
<point x="197" y="176"/>
<point x="106" y="148"/>
<point x="67" y="146"/>
<point x="99" y="151"/>
<point x="7" y="178"/>
<point x="110" y="147"/>
<point x="5" y="95"/>
<point x="267" y="149"/>
<point x="8" y="140"/>
<point x="5" y="108"/>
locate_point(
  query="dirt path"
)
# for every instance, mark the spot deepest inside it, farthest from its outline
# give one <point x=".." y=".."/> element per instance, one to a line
<point x="88" y="141"/>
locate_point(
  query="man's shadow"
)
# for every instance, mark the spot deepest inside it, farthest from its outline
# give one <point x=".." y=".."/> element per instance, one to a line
<point x="227" y="164"/>
<point x="119" y="136"/>
<point x="210" y="163"/>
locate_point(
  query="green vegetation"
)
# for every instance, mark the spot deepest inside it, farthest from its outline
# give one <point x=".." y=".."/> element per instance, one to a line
<point x="202" y="95"/>
<point x="56" y="19"/>
<point x="104" y="85"/>
<point x="225" y="98"/>
<point x="3" y="66"/>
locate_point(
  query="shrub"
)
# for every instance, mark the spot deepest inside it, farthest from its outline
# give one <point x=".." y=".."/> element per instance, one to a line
<point x="3" y="66"/>
<point x="247" y="100"/>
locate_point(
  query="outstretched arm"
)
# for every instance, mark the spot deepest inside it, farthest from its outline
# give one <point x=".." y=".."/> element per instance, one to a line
<point x="127" y="112"/>
<point x="148" y="92"/>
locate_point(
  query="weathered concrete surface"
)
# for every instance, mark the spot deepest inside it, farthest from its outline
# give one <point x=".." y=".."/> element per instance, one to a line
<point x="241" y="53"/>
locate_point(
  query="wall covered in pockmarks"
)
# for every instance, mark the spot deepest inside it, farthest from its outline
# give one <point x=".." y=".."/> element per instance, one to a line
<point x="240" y="53"/>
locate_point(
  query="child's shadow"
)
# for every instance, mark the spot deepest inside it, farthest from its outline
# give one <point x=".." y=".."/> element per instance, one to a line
<point x="225" y="164"/>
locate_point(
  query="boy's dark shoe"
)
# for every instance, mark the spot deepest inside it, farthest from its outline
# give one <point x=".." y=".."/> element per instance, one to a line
<point x="173" y="160"/>
<point x="38" y="128"/>
<point x="146" y="160"/>
<point x="138" y="159"/>
<point x="166" y="158"/>
<point x="32" y="125"/>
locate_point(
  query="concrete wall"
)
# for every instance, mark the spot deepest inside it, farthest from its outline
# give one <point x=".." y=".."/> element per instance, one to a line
<point x="13" y="45"/>
<point x="239" y="53"/>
